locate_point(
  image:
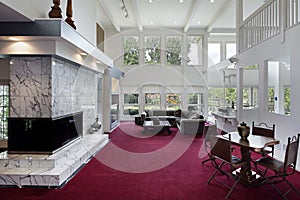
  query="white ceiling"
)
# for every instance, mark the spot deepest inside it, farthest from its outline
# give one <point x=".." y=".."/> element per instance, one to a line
<point x="169" y="14"/>
<point x="214" y="17"/>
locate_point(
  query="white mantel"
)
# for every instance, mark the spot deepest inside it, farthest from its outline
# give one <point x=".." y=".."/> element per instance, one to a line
<point x="51" y="37"/>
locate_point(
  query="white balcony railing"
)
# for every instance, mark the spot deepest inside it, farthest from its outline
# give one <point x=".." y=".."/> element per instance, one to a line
<point x="264" y="23"/>
<point x="292" y="13"/>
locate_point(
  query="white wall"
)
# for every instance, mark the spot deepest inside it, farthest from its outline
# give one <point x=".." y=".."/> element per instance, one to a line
<point x="84" y="13"/>
<point x="275" y="47"/>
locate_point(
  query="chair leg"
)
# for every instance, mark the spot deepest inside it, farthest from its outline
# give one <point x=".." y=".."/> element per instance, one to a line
<point x="232" y="188"/>
<point x="279" y="192"/>
<point x="208" y="159"/>
<point x="297" y="191"/>
<point x="212" y="176"/>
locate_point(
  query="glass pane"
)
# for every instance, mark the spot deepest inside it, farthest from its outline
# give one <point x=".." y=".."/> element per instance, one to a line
<point x="131" y="50"/>
<point x="6" y="112"/>
<point x="230" y="50"/>
<point x="287" y="100"/>
<point x="195" y="98"/>
<point x="152" y="50"/>
<point x="131" y="110"/>
<point x="194" y="50"/>
<point x="152" y="98"/>
<point x="173" y="101"/>
<point x="1" y="101"/>
<point x="197" y="108"/>
<point x="6" y="90"/>
<point x="214" y="53"/>
<point x="1" y="89"/>
<point x="131" y="98"/>
<point x="152" y="107"/>
<point x="173" y="50"/>
<point x="271" y="98"/>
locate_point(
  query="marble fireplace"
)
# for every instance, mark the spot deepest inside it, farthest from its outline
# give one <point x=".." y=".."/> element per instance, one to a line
<point x="52" y="102"/>
<point x="54" y="99"/>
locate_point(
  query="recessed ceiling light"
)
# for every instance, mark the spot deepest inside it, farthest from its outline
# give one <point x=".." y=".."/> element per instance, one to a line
<point x="151" y="22"/>
<point x="198" y="22"/>
<point x="150" y="1"/>
<point x="181" y="1"/>
<point x="212" y="1"/>
<point x="14" y="38"/>
<point x="83" y="54"/>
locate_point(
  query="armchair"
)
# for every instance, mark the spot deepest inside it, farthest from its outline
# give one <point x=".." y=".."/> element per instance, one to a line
<point x="191" y="126"/>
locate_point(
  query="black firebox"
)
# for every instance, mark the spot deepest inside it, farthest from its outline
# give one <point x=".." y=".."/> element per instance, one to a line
<point x="43" y="135"/>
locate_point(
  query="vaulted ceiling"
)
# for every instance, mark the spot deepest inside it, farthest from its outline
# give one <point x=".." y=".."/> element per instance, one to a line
<point x="183" y="14"/>
<point x="217" y="16"/>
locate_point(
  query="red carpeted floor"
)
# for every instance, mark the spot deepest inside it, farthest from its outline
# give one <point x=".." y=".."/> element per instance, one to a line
<point x="138" y="166"/>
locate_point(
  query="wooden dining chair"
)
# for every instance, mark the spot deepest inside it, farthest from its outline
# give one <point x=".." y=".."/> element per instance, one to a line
<point x="281" y="169"/>
<point x="264" y="130"/>
<point x="221" y="153"/>
<point x="209" y="131"/>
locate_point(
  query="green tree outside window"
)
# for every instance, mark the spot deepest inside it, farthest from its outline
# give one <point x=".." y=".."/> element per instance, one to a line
<point x="152" y="50"/>
<point x="173" y="50"/>
<point x="131" y="50"/>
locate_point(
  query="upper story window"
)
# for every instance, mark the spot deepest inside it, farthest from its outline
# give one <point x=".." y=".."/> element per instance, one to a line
<point x="195" y="50"/>
<point x="214" y="53"/>
<point x="152" y="49"/>
<point x="230" y="49"/>
<point x="173" y="50"/>
<point x="131" y="50"/>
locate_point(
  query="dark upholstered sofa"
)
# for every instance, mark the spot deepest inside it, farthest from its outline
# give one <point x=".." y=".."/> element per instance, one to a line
<point x="188" y="122"/>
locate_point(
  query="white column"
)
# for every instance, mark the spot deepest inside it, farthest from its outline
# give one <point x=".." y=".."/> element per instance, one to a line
<point x="239" y="20"/>
<point x="106" y="101"/>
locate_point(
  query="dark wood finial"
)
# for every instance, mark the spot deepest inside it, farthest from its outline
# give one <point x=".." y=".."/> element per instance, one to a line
<point x="69" y="14"/>
<point x="55" y="11"/>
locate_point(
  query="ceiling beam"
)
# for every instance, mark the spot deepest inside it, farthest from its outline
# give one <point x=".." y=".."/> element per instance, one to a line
<point x="106" y="10"/>
<point x="219" y="15"/>
<point x="193" y="9"/>
<point x="135" y="5"/>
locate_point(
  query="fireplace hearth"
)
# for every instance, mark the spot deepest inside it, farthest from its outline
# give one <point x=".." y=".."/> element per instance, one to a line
<point x="43" y="135"/>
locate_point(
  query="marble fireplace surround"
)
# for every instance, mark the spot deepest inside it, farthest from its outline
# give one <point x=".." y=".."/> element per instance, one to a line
<point x="42" y="87"/>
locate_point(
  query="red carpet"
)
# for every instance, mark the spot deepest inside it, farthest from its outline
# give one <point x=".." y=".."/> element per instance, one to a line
<point x="132" y="152"/>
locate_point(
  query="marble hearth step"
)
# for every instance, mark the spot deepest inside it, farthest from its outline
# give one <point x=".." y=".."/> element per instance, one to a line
<point x="53" y="170"/>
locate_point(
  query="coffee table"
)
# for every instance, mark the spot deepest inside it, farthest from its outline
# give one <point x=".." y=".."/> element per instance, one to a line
<point x="149" y="127"/>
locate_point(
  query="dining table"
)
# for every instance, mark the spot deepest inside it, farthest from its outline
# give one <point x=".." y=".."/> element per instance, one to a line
<point x="253" y="143"/>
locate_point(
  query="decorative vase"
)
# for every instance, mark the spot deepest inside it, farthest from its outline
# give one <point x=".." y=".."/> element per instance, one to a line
<point x="243" y="130"/>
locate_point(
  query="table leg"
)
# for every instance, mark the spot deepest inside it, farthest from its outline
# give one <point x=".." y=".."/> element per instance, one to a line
<point x="248" y="176"/>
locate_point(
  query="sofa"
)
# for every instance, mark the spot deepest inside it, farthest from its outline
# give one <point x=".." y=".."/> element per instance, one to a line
<point x="188" y="122"/>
